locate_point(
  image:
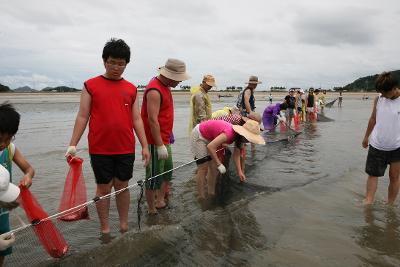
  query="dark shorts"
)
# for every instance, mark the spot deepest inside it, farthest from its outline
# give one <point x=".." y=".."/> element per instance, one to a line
<point x="299" y="109"/>
<point x="158" y="166"/>
<point x="4" y="228"/>
<point x="107" y="167"/>
<point x="377" y="160"/>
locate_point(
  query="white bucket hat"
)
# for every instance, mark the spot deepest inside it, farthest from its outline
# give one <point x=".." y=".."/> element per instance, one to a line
<point x="251" y="131"/>
<point x="8" y="191"/>
<point x="175" y="70"/>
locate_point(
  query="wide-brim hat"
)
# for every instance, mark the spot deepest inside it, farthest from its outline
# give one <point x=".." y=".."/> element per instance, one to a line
<point x="253" y="80"/>
<point x="251" y="131"/>
<point x="175" y="70"/>
<point x="8" y="191"/>
<point x="209" y="80"/>
<point x="255" y="116"/>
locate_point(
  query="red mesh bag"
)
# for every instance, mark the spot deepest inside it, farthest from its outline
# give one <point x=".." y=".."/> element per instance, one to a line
<point x="282" y="127"/>
<point x="46" y="231"/>
<point x="297" y="121"/>
<point x="74" y="192"/>
<point x="314" y="116"/>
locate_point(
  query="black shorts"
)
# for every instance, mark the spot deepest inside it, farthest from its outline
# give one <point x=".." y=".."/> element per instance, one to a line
<point x="299" y="109"/>
<point x="377" y="160"/>
<point x="107" y="167"/>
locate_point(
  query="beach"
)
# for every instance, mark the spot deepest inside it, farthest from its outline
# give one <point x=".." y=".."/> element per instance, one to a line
<point x="300" y="206"/>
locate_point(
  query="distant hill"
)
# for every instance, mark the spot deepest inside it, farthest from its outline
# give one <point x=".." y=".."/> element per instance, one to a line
<point x="60" y="89"/>
<point x="4" y="88"/>
<point x="367" y="83"/>
<point x="24" y="89"/>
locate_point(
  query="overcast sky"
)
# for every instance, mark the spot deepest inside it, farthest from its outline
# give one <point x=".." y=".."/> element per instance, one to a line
<point x="292" y="43"/>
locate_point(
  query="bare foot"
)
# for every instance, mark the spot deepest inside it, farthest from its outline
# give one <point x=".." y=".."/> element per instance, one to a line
<point x="161" y="204"/>
<point x="367" y="202"/>
<point x="152" y="212"/>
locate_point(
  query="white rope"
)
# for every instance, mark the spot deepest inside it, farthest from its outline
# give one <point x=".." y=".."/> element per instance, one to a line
<point x="83" y="205"/>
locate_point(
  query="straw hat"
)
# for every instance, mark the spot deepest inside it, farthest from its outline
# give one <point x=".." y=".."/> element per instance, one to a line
<point x="209" y="79"/>
<point x="175" y="70"/>
<point x="254" y="80"/>
<point x="255" y="116"/>
<point x="251" y="131"/>
<point x="8" y="191"/>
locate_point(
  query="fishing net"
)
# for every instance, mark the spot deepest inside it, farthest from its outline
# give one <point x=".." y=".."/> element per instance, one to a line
<point x="40" y="240"/>
<point x="89" y="248"/>
<point x="45" y="230"/>
<point x="330" y="104"/>
<point x="74" y="193"/>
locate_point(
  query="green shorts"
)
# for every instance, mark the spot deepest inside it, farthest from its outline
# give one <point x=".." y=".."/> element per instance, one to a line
<point x="157" y="166"/>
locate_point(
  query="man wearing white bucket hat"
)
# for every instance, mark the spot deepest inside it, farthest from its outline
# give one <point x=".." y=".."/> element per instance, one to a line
<point x="158" y="119"/>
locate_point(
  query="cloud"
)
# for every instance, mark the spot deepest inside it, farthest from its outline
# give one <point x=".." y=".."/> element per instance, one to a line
<point x="304" y="43"/>
<point x="336" y="27"/>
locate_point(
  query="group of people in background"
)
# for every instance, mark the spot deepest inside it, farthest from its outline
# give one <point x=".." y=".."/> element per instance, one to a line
<point x="109" y="104"/>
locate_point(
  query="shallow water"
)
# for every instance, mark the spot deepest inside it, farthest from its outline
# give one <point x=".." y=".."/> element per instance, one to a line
<point x="300" y="206"/>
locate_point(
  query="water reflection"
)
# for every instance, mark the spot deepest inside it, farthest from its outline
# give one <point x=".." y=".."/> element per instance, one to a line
<point x="381" y="232"/>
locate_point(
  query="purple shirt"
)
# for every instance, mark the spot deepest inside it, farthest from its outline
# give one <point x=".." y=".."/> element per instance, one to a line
<point x="272" y="110"/>
<point x="212" y="128"/>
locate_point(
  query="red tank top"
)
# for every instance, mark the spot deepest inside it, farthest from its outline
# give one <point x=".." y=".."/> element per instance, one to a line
<point x="166" y="114"/>
<point x="111" y="124"/>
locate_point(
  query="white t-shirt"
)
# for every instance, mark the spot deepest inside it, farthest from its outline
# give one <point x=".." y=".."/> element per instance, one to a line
<point x="386" y="133"/>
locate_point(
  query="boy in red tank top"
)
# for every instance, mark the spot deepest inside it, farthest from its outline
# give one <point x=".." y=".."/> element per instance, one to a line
<point x="109" y="103"/>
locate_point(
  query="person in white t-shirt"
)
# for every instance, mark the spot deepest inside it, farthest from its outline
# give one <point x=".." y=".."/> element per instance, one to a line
<point x="383" y="137"/>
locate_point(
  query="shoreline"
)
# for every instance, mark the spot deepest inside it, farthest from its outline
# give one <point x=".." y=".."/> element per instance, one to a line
<point x="179" y="96"/>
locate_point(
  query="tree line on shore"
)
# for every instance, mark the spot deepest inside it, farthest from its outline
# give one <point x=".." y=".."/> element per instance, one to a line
<point x="361" y="84"/>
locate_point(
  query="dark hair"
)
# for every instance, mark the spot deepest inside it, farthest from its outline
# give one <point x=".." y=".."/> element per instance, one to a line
<point x="316" y="90"/>
<point x="283" y="106"/>
<point x="116" y="48"/>
<point x="386" y="82"/>
<point x="9" y="119"/>
<point x="239" y="140"/>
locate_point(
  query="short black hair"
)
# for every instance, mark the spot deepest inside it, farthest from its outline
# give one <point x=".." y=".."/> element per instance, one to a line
<point x="9" y="119"/>
<point x="116" y="48"/>
<point x="386" y="82"/>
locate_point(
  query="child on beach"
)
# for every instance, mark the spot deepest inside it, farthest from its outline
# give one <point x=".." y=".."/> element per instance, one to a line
<point x="271" y="115"/>
<point x="210" y="136"/>
<point x="340" y="99"/>
<point x="9" y="123"/>
<point x="383" y="137"/>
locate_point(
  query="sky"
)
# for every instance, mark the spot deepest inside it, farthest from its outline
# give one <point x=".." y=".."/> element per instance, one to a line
<point x="290" y="43"/>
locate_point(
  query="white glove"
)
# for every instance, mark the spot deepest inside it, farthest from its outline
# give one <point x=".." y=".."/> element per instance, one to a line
<point x="280" y="118"/>
<point x="71" y="151"/>
<point x="221" y="168"/>
<point x="6" y="241"/>
<point x="162" y="152"/>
